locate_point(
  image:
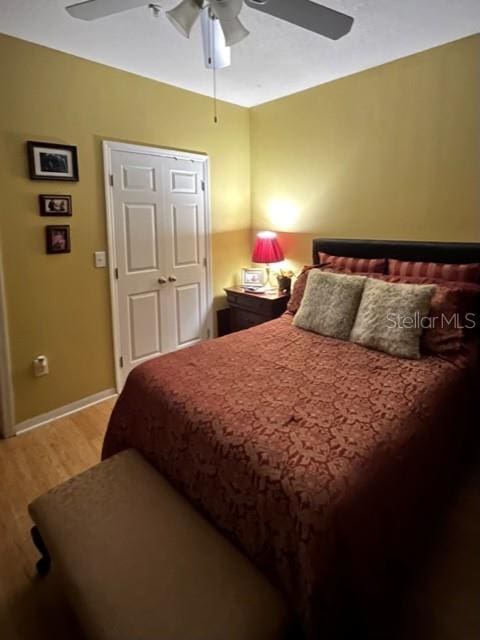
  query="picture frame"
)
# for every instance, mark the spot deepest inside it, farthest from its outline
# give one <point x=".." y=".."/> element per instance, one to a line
<point x="253" y="277"/>
<point x="55" y="205"/>
<point x="57" y="238"/>
<point x="49" y="161"/>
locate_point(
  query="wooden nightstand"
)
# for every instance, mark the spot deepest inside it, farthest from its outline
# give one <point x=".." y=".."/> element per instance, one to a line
<point x="250" y="309"/>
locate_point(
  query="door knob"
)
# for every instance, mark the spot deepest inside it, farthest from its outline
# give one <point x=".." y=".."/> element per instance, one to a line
<point x="172" y="279"/>
<point x="162" y="280"/>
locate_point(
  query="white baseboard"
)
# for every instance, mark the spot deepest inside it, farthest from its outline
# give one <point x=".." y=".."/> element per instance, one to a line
<point x="73" y="407"/>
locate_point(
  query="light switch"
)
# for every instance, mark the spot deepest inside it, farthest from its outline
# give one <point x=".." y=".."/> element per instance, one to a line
<point x="100" y="259"/>
<point x="40" y="366"/>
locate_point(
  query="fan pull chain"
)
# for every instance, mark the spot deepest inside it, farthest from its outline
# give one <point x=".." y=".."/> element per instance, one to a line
<point x="214" y="70"/>
<point x="215" y="117"/>
<point x="215" y="101"/>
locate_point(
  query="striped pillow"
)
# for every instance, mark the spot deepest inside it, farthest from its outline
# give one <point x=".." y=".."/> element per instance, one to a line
<point x="354" y="265"/>
<point x="451" y="272"/>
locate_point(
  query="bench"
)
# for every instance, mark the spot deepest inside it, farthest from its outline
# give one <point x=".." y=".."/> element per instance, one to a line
<point x="138" y="562"/>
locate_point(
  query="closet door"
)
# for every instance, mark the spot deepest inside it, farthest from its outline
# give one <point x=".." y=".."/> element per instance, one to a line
<point x="159" y="231"/>
<point x="185" y="252"/>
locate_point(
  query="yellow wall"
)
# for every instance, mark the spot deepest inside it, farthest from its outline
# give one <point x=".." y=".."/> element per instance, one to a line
<point x="389" y="153"/>
<point x="59" y="305"/>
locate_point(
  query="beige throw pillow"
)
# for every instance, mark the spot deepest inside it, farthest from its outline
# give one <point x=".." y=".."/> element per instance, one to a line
<point x="389" y="317"/>
<point x="330" y="303"/>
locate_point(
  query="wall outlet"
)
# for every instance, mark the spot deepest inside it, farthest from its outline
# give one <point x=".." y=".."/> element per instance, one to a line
<point x="40" y="366"/>
<point x="100" y="259"/>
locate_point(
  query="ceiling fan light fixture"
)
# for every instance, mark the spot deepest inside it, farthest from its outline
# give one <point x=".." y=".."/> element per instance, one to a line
<point x="234" y="31"/>
<point x="216" y="53"/>
<point x="184" y="16"/>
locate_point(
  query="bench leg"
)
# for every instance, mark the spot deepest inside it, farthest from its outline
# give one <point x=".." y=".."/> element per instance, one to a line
<point x="43" y="565"/>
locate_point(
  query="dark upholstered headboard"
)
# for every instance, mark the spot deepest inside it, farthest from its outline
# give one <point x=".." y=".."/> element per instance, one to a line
<point x="449" y="252"/>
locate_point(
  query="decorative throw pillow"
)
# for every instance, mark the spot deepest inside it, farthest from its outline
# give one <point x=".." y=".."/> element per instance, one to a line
<point x="299" y="289"/>
<point x="452" y="272"/>
<point x="454" y="306"/>
<point x="330" y="303"/>
<point x="354" y="265"/>
<point x="454" y="313"/>
<point x="390" y="317"/>
<point x="335" y="267"/>
<point x="444" y="332"/>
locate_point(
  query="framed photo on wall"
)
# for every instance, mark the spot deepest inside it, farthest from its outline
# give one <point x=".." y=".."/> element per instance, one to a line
<point x="48" y="161"/>
<point x="57" y="238"/>
<point x="55" y="205"/>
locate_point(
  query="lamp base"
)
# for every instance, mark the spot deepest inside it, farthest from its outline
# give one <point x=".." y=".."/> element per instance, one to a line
<point x="268" y="284"/>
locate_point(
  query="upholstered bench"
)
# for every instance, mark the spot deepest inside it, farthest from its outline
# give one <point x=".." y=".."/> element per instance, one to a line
<point x="138" y="562"/>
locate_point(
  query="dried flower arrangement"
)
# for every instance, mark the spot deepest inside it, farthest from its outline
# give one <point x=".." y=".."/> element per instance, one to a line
<point x="284" y="279"/>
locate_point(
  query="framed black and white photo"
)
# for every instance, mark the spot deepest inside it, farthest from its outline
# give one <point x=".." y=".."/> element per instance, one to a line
<point x="57" y="238"/>
<point x="52" y="161"/>
<point x="55" y="205"/>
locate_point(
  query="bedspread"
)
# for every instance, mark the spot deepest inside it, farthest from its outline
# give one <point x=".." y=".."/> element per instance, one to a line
<point x="313" y="455"/>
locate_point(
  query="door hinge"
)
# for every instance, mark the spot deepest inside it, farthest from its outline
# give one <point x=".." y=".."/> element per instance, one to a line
<point x="121" y="362"/>
<point x="209" y="333"/>
<point x="203" y="185"/>
<point x="110" y="177"/>
<point x="204" y="262"/>
<point x="116" y="273"/>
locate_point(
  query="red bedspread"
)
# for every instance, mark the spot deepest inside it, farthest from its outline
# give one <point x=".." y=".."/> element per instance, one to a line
<point x="314" y="455"/>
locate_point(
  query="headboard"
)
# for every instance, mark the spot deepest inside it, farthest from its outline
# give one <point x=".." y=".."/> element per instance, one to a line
<point x="448" y="252"/>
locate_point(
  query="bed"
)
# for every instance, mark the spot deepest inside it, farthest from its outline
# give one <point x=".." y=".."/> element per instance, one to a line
<point x="319" y="458"/>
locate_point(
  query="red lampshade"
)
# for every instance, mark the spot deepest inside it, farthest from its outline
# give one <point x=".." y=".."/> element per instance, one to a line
<point x="267" y="250"/>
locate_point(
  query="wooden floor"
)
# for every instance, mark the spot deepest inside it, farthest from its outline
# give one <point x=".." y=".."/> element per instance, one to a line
<point x="30" y="464"/>
<point x="444" y="603"/>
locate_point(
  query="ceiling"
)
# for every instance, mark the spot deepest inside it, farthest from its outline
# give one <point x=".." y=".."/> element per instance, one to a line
<point x="277" y="59"/>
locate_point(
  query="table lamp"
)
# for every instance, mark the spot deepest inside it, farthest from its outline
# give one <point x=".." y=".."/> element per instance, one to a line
<point x="267" y="250"/>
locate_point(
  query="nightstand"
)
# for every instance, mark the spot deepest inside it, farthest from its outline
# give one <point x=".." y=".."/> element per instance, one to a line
<point x="250" y="309"/>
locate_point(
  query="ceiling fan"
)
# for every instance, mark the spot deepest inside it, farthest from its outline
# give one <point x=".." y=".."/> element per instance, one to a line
<point x="224" y="14"/>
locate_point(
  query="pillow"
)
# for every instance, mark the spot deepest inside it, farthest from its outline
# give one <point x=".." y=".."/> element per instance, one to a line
<point x="444" y="331"/>
<point x="390" y="315"/>
<point x="335" y="264"/>
<point x="330" y="303"/>
<point x="452" y="272"/>
<point x="342" y="263"/>
<point x="454" y="312"/>
<point x="299" y="289"/>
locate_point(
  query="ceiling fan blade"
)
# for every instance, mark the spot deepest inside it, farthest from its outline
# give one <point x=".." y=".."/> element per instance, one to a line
<point x="95" y="9"/>
<point x="234" y="31"/>
<point x="227" y="12"/>
<point x="184" y="16"/>
<point x="309" y="15"/>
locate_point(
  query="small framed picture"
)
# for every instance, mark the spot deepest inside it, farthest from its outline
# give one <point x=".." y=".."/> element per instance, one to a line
<point x="48" y="161"/>
<point x="58" y="238"/>
<point x="253" y="277"/>
<point x="55" y="205"/>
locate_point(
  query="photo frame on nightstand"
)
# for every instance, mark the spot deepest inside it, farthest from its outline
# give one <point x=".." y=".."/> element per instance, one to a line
<point x="253" y="278"/>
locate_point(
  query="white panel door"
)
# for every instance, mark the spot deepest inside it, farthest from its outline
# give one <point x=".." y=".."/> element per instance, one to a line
<point x="185" y="251"/>
<point x="159" y="232"/>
